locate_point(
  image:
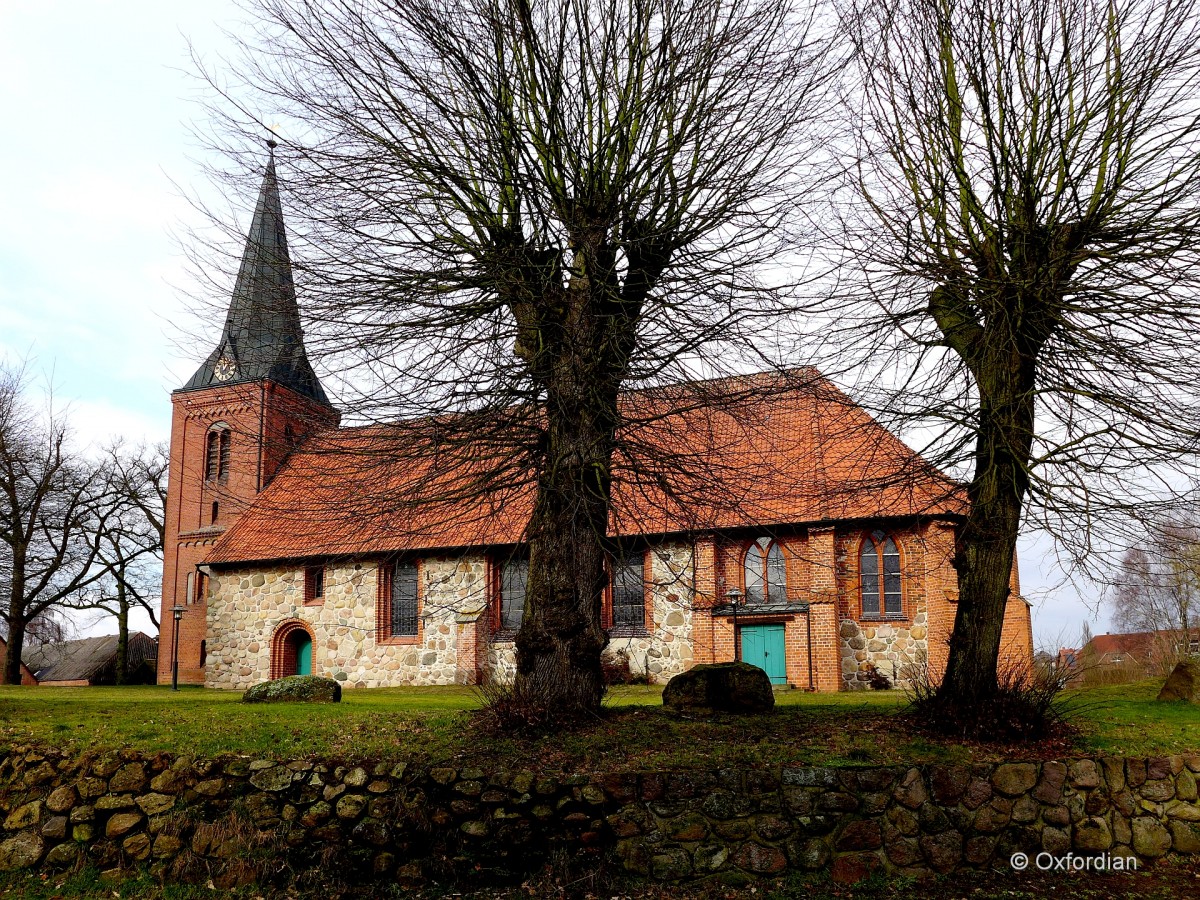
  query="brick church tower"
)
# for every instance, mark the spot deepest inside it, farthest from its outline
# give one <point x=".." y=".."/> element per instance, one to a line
<point x="234" y="422"/>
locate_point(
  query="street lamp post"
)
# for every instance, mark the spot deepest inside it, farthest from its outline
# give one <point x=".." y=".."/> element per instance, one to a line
<point x="177" y="613"/>
<point x="734" y="596"/>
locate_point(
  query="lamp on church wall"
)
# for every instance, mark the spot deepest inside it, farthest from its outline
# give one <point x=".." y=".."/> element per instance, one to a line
<point x="177" y="613"/>
<point x="734" y="596"/>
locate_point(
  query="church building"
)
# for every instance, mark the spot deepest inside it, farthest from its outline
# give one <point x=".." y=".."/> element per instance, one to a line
<point x="832" y="571"/>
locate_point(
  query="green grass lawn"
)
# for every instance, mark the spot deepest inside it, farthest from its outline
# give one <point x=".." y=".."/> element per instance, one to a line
<point x="1125" y="719"/>
<point x="434" y="725"/>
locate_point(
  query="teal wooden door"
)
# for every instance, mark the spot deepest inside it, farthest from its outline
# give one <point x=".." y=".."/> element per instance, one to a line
<point x="304" y="656"/>
<point x="763" y="646"/>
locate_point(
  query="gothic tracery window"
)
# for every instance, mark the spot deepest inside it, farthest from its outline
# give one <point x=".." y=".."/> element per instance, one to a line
<point x="766" y="572"/>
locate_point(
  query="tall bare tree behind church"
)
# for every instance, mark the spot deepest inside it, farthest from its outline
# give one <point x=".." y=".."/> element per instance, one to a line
<point x="513" y="210"/>
<point x="1024" y="213"/>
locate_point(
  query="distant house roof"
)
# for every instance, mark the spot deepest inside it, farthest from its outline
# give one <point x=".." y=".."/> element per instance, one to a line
<point x="86" y="659"/>
<point x="26" y="674"/>
<point x="784" y="451"/>
<point x="1137" y="644"/>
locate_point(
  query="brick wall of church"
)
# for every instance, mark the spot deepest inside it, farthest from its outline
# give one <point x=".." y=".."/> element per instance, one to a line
<point x="899" y="647"/>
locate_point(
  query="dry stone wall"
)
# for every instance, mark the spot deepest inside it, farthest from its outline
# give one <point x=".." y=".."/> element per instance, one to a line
<point x="236" y="819"/>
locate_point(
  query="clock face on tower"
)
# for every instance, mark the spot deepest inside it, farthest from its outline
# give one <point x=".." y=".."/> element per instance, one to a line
<point x="225" y="369"/>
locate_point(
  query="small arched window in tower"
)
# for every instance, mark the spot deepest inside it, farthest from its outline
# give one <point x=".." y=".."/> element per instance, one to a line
<point x="289" y="438"/>
<point x="216" y="453"/>
<point x="766" y="572"/>
<point x="216" y="510"/>
<point x="879" y="577"/>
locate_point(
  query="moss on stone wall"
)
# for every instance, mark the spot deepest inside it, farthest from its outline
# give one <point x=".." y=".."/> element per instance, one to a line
<point x="239" y="819"/>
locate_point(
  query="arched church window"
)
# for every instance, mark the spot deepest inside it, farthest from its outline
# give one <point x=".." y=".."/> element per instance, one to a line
<point x="216" y="453"/>
<point x="879" y="577"/>
<point x="766" y="572"/>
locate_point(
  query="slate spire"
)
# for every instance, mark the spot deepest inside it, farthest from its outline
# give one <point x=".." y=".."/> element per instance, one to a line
<point x="262" y="339"/>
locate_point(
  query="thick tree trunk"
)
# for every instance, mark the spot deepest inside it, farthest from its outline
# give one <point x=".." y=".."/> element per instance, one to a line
<point x="14" y="619"/>
<point x="988" y="541"/>
<point x="576" y="342"/>
<point x="987" y="547"/>
<point x="561" y="638"/>
<point x="16" y="646"/>
<point x="122" y="634"/>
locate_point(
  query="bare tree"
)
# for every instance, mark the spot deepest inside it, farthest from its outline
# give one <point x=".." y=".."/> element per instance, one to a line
<point x="513" y="212"/>
<point x="1157" y="588"/>
<point x="1024" y="215"/>
<point x="51" y="512"/>
<point x="130" y="541"/>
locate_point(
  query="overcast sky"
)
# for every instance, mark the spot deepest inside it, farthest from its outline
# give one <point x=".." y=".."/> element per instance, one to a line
<point x="93" y="286"/>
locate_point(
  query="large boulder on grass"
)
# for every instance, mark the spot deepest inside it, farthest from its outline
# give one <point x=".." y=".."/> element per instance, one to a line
<point x="1183" y="683"/>
<point x="735" y="687"/>
<point x="295" y="689"/>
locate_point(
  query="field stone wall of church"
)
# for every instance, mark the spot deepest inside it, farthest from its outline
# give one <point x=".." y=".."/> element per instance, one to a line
<point x="900" y="647"/>
<point x="666" y="647"/>
<point x="247" y="606"/>
<point x="236" y="819"/>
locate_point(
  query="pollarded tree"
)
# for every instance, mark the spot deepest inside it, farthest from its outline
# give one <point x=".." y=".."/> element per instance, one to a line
<point x="512" y="211"/>
<point x="1027" y="219"/>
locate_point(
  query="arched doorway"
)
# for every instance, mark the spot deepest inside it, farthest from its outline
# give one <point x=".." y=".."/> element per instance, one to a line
<point x="292" y="650"/>
<point x="303" y="652"/>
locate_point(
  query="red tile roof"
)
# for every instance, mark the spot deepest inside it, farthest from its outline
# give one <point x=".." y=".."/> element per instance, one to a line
<point x="750" y="451"/>
<point x="1139" y="644"/>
